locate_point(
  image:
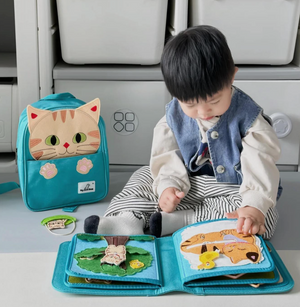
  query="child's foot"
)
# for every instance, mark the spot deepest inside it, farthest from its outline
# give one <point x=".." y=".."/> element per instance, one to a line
<point x="91" y="224"/>
<point x="162" y="223"/>
<point x="126" y="223"/>
<point x="155" y="224"/>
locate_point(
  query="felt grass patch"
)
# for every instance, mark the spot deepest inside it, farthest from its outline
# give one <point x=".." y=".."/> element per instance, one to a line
<point x="90" y="260"/>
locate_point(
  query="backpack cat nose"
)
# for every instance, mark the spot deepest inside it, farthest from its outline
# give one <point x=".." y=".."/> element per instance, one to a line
<point x="66" y="145"/>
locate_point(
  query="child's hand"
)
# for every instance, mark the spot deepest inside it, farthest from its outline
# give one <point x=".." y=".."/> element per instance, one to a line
<point x="169" y="199"/>
<point x="250" y="220"/>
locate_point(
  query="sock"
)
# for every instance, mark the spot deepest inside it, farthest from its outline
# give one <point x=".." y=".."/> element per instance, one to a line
<point x="162" y="223"/>
<point x="125" y="223"/>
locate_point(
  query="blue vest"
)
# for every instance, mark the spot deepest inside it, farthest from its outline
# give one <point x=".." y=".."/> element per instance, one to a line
<point x="224" y="138"/>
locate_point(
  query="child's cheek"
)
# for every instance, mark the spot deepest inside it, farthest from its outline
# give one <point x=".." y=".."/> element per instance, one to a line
<point x="190" y="112"/>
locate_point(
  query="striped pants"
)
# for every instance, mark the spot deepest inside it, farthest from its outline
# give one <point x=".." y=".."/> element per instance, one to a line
<point x="208" y="198"/>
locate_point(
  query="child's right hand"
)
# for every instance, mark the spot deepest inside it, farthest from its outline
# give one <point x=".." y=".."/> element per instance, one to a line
<point x="169" y="199"/>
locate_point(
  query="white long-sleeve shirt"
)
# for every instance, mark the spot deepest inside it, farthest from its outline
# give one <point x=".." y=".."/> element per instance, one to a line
<point x="261" y="150"/>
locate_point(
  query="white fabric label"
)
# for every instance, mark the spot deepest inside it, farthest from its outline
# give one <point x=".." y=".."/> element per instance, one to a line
<point x="86" y="187"/>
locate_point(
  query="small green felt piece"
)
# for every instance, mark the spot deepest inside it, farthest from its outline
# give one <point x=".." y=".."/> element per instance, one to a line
<point x="80" y="280"/>
<point x="141" y="238"/>
<point x="90" y="252"/>
<point x="135" y="250"/>
<point x="70" y="219"/>
<point x="95" y="266"/>
<point x="77" y="280"/>
<point x="89" y="237"/>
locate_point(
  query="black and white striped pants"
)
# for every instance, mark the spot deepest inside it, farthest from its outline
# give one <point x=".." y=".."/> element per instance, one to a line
<point x="208" y="198"/>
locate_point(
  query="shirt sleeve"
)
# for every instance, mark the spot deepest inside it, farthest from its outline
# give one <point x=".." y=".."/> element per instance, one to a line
<point x="261" y="151"/>
<point x="166" y="163"/>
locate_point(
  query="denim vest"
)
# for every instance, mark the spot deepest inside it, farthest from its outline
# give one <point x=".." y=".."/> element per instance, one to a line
<point x="224" y="138"/>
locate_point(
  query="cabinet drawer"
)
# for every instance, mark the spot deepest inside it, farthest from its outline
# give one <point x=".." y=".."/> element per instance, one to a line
<point x="279" y="97"/>
<point x="130" y="110"/>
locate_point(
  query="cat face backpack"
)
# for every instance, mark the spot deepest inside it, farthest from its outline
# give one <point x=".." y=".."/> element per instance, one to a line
<point x="62" y="153"/>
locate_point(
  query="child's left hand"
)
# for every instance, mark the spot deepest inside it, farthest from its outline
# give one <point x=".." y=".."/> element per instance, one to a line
<point x="250" y="220"/>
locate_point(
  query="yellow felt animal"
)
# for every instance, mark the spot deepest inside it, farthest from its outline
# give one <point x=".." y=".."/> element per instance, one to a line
<point x="206" y="260"/>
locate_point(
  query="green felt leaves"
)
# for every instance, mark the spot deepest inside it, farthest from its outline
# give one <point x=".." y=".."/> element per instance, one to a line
<point x="90" y="238"/>
<point x="90" y="252"/>
<point x="141" y="238"/>
<point x="90" y="260"/>
<point x="93" y="237"/>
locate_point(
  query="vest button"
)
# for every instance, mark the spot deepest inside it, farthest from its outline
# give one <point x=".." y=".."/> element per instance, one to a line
<point x="220" y="169"/>
<point x="214" y="135"/>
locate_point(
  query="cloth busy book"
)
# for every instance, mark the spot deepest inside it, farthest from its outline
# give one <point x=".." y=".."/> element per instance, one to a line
<point x="206" y="258"/>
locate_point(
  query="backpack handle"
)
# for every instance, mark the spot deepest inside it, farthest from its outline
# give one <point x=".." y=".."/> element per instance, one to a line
<point x="59" y="96"/>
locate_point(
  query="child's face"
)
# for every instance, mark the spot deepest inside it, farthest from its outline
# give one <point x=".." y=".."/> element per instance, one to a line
<point x="215" y="105"/>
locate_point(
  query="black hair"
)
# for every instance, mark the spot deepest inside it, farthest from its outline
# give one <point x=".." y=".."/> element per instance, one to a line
<point x="197" y="63"/>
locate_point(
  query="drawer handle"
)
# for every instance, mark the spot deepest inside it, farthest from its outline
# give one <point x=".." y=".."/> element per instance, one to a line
<point x="281" y="124"/>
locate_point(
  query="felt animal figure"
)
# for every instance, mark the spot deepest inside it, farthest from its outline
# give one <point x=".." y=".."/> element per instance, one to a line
<point x="206" y="260"/>
<point x="64" y="133"/>
<point x="136" y="264"/>
<point x="229" y="242"/>
<point x="114" y="254"/>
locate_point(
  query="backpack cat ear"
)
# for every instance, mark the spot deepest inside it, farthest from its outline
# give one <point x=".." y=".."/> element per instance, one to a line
<point x="34" y="116"/>
<point x="92" y="108"/>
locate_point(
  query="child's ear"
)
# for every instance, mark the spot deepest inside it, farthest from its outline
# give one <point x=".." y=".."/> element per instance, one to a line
<point x="235" y="71"/>
<point x="34" y="116"/>
<point x="92" y="108"/>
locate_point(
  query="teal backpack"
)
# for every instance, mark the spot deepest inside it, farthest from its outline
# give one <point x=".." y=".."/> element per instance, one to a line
<point x="58" y="183"/>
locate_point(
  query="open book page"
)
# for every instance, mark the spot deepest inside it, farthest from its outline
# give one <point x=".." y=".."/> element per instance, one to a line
<point x="214" y="248"/>
<point x="114" y="259"/>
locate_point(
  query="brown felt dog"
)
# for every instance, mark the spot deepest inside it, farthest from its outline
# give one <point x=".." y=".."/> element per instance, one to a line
<point x="229" y="242"/>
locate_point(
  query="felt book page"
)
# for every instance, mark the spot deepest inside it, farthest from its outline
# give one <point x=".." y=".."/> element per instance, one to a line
<point x="200" y="259"/>
<point x="214" y="248"/>
<point x="113" y="261"/>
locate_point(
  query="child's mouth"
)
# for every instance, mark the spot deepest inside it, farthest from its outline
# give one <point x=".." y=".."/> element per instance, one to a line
<point x="208" y="118"/>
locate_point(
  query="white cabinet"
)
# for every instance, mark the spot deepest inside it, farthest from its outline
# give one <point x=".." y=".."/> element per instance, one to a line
<point x="125" y="91"/>
<point x="8" y="87"/>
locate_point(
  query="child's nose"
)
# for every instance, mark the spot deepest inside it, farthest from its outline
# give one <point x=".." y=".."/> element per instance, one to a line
<point x="204" y="109"/>
<point x="207" y="107"/>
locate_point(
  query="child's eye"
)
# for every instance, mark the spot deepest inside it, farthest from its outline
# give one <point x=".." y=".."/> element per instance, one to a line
<point x="190" y="106"/>
<point x="215" y="102"/>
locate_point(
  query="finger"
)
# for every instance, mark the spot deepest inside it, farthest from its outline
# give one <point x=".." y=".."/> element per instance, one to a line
<point x="166" y="208"/>
<point x="262" y="230"/>
<point x="173" y="199"/>
<point x="255" y="228"/>
<point x="247" y="225"/>
<point x="240" y="224"/>
<point x="231" y="215"/>
<point x="172" y="204"/>
<point x="179" y="194"/>
<point x="163" y="205"/>
<point x="169" y="206"/>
